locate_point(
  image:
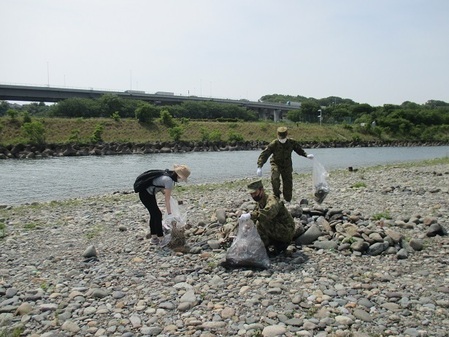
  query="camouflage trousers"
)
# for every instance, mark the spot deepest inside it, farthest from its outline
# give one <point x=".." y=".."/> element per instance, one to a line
<point x="272" y="233"/>
<point x="287" y="181"/>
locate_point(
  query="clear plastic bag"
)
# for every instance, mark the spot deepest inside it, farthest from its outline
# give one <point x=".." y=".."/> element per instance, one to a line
<point x="319" y="180"/>
<point x="174" y="227"/>
<point x="247" y="249"/>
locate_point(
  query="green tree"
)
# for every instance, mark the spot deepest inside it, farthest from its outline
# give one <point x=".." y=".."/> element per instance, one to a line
<point x="108" y="104"/>
<point x="76" y="107"/>
<point x="294" y="115"/>
<point x="146" y="113"/>
<point x="4" y="106"/>
<point x="34" y="132"/>
<point x="12" y="113"/>
<point x="167" y="119"/>
<point x="26" y="117"/>
<point x="309" y="110"/>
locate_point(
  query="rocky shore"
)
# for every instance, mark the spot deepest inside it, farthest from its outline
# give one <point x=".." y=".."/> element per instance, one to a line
<point x="29" y="151"/>
<point x="371" y="260"/>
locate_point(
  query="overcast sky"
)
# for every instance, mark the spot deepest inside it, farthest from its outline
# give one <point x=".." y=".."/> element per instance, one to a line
<point x="371" y="51"/>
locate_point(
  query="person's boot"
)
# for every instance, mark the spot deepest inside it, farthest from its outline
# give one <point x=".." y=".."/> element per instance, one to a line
<point x="280" y="247"/>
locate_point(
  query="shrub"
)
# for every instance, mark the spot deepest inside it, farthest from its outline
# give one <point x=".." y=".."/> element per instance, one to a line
<point x="176" y="132"/>
<point x="235" y="137"/>
<point x="167" y="119"/>
<point x="116" y="116"/>
<point x="34" y="132"/>
<point x="26" y="117"/>
<point x="75" y="136"/>
<point x="145" y="113"/>
<point x="97" y="135"/>
<point x="12" y="113"/>
<point x="215" y="136"/>
<point x="205" y="135"/>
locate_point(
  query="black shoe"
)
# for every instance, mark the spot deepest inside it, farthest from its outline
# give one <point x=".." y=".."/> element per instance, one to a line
<point x="276" y="249"/>
<point x="280" y="247"/>
<point x="271" y="251"/>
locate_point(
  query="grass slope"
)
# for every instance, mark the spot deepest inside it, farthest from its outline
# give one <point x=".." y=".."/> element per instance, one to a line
<point x="60" y="130"/>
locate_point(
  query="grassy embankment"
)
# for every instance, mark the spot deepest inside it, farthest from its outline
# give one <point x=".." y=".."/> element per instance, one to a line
<point x="61" y="130"/>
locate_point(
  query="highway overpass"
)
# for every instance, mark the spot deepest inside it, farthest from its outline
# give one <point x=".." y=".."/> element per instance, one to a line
<point x="275" y="111"/>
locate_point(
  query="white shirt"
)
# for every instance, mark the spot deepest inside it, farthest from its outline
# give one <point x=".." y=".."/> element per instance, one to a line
<point x="161" y="183"/>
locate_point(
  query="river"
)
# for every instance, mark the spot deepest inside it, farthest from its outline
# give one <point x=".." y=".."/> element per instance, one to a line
<point x="26" y="181"/>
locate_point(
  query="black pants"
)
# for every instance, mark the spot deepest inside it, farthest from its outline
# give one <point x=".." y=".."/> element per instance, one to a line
<point x="150" y="203"/>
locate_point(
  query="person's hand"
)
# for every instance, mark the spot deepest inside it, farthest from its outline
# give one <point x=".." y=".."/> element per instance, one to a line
<point x="310" y="156"/>
<point x="259" y="172"/>
<point x="245" y="216"/>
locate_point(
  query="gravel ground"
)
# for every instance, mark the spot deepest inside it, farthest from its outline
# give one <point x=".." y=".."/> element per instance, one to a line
<point x="83" y="267"/>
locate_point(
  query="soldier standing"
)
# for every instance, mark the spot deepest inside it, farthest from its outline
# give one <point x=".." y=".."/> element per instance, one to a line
<point x="274" y="223"/>
<point x="280" y="151"/>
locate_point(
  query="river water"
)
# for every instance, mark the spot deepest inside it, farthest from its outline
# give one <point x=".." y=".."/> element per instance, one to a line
<point x="25" y="181"/>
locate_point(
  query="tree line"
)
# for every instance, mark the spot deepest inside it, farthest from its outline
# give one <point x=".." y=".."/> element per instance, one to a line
<point x="110" y="105"/>
<point x="426" y="122"/>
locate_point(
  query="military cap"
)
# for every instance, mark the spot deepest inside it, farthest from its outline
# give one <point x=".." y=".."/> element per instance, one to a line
<point x="282" y="131"/>
<point x="254" y="186"/>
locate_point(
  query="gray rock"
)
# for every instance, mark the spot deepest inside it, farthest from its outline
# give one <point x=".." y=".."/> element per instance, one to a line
<point x="90" y="251"/>
<point x="221" y="215"/>
<point x="326" y="245"/>
<point x="310" y="235"/>
<point x="377" y="248"/>
<point x="416" y="244"/>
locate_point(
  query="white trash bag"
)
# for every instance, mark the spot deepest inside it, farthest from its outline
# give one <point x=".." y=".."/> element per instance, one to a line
<point x="319" y="180"/>
<point x="247" y="249"/>
<point x="173" y="227"/>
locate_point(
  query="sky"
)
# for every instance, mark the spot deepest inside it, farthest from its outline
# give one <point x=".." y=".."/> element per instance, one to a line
<point x="371" y="51"/>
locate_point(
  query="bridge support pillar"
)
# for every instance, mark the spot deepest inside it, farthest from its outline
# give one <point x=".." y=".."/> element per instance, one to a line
<point x="277" y="114"/>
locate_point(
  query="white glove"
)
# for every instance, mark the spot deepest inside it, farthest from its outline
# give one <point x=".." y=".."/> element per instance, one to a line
<point x="245" y="216"/>
<point x="310" y="156"/>
<point x="259" y="171"/>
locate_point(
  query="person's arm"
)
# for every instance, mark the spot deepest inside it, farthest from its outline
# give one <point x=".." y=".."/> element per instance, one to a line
<point x="264" y="155"/>
<point x="167" y="194"/>
<point x="298" y="149"/>
<point x="268" y="212"/>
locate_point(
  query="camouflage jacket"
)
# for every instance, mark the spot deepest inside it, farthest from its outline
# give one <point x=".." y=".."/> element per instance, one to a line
<point x="271" y="212"/>
<point x="281" y="153"/>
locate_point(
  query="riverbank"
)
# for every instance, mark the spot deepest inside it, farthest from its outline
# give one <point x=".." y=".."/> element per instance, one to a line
<point x="28" y="151"/>
<point x="321" y="288"/>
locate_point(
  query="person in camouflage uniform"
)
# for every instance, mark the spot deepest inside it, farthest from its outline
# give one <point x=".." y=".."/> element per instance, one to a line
<point x="274" y="223"/>
<point x="280" y="151"/>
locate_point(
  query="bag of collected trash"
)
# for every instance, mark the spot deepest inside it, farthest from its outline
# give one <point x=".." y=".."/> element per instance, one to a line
<point x="247" y="249"/>
<point x="320" y="185"/>
<point x="174" y="227"/>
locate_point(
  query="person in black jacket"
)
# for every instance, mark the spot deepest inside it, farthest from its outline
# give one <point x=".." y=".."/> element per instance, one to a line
<point x="165" y="184"/>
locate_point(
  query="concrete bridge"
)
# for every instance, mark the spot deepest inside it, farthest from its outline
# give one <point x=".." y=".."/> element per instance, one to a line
<point x="273" y="111"/>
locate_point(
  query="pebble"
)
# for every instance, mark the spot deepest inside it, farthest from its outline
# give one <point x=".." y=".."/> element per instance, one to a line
<point x="370" y="261"/>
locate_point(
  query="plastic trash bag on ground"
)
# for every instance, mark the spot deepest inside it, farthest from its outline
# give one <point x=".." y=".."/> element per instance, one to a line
<point x="319" y="180"/>
<point x="174" y="227"/>
<point x="247" y="249"/>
